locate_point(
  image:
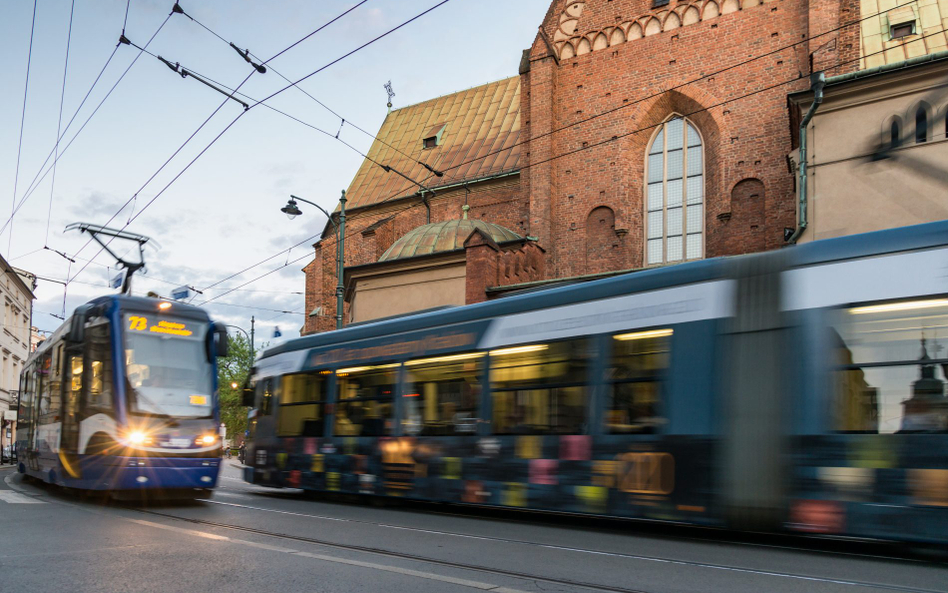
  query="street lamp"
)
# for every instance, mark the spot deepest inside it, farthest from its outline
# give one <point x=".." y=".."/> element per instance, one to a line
<point x="249" y="336"/>
<point x="292" y="211"/>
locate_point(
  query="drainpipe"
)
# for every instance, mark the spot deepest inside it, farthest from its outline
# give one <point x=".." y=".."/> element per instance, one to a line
<point x="817" y="80"/>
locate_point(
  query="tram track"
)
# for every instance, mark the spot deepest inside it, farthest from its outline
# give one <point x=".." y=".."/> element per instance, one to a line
<point x="403" y="556"/>
<point x="517" y="574"/>
<point x="790" y="542"/>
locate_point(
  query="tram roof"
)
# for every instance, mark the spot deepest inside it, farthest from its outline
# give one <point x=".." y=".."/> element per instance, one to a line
<point x="823" y="251"/>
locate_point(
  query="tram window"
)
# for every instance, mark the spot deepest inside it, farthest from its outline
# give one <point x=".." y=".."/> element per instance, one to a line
<point x="634" y="376"/>
<point x="75" y="375"/>
<point x="99" y="374"/>
<point x="364" y="406"/>
<point x="540" y="388"/>
<point x="25" y="412"/>
<point x="301" y="407"/>
<point x="265" y="394"/>
<point x="442" y="395"/>
<point x="44" y="383"/>
<point x="891" y="367"/>
<point x="24" y="394"/>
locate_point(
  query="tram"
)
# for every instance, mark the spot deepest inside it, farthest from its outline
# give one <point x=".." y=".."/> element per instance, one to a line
<point x="123" y="398"/>
<point x="796" y="390"/>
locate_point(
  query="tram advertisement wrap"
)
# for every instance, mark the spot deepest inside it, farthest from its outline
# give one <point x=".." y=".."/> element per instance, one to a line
<point x="664" y="479"/>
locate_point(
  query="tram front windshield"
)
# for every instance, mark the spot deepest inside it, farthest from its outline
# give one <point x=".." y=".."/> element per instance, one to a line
<point x="167" y="367"/>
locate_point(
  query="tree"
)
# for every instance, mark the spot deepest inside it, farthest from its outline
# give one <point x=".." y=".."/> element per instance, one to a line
<point x="234" y="369"/>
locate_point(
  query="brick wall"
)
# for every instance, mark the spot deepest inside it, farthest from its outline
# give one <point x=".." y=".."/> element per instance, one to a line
<point x="743" y="138"/>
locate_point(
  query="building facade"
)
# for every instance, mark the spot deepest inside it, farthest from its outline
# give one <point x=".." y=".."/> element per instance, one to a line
<point x="637" y="133"/>
<point x="16" y="291"/>
<point x="877" y="148"/>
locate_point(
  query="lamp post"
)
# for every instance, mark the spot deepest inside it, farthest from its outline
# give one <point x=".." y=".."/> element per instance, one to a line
<point x="292" y="211"/>
<point x="249" y="336"/>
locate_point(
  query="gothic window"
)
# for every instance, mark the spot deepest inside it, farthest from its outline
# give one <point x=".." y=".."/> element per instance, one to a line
<point x="674" y="195"/>
<point x="921" y="124"/>
<point x="895" y="135"/>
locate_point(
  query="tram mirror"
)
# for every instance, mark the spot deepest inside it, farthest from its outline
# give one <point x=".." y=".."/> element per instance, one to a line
<point x="77" y="325"/>
<point x="221" y="345"/>
<point x="247" y="395"/>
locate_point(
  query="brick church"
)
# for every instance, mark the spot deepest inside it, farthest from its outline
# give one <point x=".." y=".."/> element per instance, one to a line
<point x="637" y="133"/>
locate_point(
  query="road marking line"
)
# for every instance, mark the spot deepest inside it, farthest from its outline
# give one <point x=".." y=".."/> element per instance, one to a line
<point x="12" y="497"/>
<point x="220" y="492"/>
<point x="335" y="559"/>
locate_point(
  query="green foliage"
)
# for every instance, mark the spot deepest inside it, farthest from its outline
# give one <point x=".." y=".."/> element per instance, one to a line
<point x="231" y="369"/>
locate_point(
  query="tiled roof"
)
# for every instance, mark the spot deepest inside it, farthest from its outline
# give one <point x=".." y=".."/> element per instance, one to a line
<point x="476" y="122"/>
<point x="439" y="237"/>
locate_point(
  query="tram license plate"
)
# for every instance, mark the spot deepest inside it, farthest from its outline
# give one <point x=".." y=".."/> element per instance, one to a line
<point x="180" y="442"/>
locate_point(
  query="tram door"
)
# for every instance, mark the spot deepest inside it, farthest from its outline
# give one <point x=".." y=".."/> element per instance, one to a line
<point x="72" y="396"/>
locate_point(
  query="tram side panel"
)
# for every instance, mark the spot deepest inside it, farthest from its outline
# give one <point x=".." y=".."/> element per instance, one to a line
<point x="647" y="447"/>
<point x="870" y="443"/>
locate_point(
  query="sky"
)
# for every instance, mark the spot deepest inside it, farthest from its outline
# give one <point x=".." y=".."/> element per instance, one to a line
<point x="222" y="214"/>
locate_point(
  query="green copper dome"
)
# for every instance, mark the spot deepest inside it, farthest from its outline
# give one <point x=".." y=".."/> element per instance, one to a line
<point x="440" y="237"/>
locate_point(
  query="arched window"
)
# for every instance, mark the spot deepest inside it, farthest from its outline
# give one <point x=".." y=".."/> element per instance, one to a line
<point x="895" y="134"/>
<point x="921" y="124"/>
<point x="674" y="195"/>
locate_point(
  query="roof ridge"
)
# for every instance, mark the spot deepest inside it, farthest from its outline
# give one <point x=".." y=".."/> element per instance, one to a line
<point x="457" y="92"/>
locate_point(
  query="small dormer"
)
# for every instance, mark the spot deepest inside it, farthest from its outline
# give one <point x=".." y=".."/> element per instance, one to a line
<point x="901" y="22"/>
<point x="433" y="138"/>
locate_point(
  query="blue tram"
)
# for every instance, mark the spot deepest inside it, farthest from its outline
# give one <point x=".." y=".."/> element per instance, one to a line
<point x="801" y="389"/>
<point x="123" y="398"/>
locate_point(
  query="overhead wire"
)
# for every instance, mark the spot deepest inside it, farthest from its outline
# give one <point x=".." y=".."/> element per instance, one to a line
<point x="37" y="180"/>
<point x="343" y="120"/>
<point x="222" y="132"/>
<point x="62" y="99"/>
<point x="26" y="89"/>
<point x="134" y="196"/>
<point x="292" y="117"/>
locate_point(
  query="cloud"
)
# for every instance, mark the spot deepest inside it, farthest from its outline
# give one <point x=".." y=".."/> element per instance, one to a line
<point x="96" y="204"/>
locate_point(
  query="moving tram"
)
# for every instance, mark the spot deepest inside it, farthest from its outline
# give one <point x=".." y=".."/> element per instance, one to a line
<point x="123" y="398"/>
<point x="796" y="390"/>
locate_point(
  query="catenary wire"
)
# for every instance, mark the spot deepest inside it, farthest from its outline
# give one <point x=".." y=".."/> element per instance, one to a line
<point x="236" y="119"/>
<point x="26" y="88"/>
<point x="335" y="113"/>
<point x="34" y="185"/>
<point x="283" y="113"/>
<point x="62" y="99"/>
<point x="134" y="196"/>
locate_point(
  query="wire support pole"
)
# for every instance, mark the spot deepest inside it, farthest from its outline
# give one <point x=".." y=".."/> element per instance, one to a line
<point x="340" y="248"/>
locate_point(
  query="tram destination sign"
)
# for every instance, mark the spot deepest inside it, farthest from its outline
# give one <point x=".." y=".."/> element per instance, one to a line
<point x="148" y="324"/>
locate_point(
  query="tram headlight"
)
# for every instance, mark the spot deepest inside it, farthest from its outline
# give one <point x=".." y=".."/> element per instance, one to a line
<point x="207" y="440"/>
<point x="137" y="437"/>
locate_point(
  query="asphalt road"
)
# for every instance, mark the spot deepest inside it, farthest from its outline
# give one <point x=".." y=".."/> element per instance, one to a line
<point x="249" y="538"/>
